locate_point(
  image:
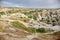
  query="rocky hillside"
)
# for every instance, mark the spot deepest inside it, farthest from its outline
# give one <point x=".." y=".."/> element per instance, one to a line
<point x="29" y="24"/>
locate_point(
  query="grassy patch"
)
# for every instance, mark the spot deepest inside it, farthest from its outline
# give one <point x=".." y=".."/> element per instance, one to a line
<point x="20" y="25"/>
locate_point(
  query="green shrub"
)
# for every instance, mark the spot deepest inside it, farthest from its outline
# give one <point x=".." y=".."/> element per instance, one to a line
<point x="29" y="16"/>
<point x="33" y="30"/>
<point x="1" y="13"/>
<point x="42" y="30"/>
<point x="34" y="17"/>
<point x="39" y="30"/>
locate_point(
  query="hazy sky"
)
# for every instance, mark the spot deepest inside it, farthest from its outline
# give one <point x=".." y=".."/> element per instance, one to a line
<point x="31" y="3"/>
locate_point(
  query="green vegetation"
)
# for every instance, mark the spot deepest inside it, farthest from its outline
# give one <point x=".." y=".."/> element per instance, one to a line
<point x="29" y="12"/>
<point x="34" y="17"/>
<point x="29" y="16"/>
<point x="20" y="25"/>
<point x="12" y="11"/>
<point x="1" y="13"/>
<point x="33" y="30"/>
<point x="24" y="19"/>
<point x="17" y="24"/>
<point x="41" y="30"/>
<point x="48" y="21"/>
